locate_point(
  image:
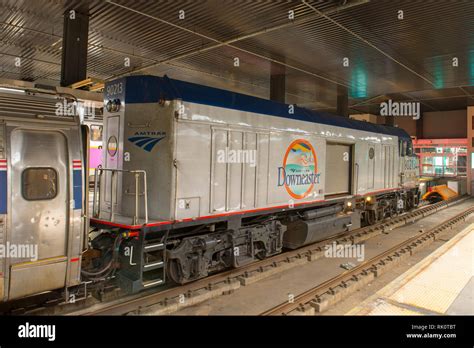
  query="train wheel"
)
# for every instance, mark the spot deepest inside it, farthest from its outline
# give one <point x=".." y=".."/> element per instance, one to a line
<point x="369" y="217"/>
<point x="175" y="273"/>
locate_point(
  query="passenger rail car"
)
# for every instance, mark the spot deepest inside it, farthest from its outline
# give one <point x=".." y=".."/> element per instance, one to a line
<point x="196" y="180"/>
<point x="41" y="196"/>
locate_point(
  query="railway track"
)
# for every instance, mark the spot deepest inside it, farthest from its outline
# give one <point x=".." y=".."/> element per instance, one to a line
<point x="318" y="299"/>
<point x="173" y="299"/>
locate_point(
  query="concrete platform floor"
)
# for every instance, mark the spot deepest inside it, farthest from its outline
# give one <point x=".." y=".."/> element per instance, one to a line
<point x="442" y="283"/>
<point x="258" y="297"/>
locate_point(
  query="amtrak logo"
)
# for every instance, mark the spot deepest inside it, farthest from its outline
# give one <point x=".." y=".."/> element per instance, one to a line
<point x="147" y="140"/>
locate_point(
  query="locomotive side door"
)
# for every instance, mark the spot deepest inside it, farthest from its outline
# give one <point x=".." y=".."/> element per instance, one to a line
<point x="371" y="166"/>
<point x="39" y="210"/>
<point x="338" y="168"/>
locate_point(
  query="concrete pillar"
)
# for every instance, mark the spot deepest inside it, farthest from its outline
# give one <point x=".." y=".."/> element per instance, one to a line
<point x="342" y="101"/>
<point x="277" y="83"/>
<point x="390" y="120"/>
<point x="74" y="49"/>
<point x="419" y="127"/>
<point x="470" y="150"/>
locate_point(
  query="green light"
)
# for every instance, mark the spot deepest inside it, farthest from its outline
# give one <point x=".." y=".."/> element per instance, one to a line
<point x="438" y="72"/>
<point x="358" y="82"/>
<point x="471" y="68"/>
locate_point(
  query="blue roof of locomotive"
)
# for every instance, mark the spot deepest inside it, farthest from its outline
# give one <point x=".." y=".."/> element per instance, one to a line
<point x="149" y="89"/>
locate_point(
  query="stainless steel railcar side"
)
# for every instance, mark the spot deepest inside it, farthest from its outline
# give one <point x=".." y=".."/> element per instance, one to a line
<point x="41" y="196"/>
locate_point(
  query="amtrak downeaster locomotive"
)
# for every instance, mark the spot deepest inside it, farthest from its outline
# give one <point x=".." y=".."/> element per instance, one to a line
<point x="166" y="205"/>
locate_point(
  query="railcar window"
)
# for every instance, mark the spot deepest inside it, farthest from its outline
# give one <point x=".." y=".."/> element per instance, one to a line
<point x="96" y="133"/>
<point x="39" y="184"/>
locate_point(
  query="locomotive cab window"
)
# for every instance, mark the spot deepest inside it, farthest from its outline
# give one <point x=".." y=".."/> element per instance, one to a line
<point x="39" y="184"/>
<point x="96" y="133"/>
<point x="409" y="148"/>
<point x="403" y="148"/>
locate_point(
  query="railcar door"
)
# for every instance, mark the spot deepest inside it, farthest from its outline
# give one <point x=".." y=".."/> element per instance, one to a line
<point x="40" y="210"/>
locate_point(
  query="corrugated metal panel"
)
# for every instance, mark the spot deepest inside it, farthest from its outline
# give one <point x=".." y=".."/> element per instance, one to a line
<point x="417" y="50"/>
<point x="26" y="105"/>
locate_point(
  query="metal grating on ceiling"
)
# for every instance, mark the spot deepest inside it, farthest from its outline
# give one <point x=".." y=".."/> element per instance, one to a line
<point x="402" y="59"/>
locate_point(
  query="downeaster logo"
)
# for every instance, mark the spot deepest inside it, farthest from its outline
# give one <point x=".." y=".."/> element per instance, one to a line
<point x="145" y="141"/>
<point x="299" y="172"/>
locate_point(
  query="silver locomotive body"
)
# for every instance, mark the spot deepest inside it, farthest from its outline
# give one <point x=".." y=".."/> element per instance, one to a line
<point x="237" y="177"/>
<point x="204" y="160"/>
<point x="41" y="196"/>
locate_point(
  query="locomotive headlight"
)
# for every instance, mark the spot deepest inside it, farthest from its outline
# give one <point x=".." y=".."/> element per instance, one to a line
<point x="109" y="106"/>
<point x="117" y="103"/>
<point x="348" y="206"/>
<point x="113" y="105"/>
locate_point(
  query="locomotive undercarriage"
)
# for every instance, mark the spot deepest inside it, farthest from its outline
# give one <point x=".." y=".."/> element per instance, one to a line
<point x="195" y="252"/>
<point x="195" y="257"/>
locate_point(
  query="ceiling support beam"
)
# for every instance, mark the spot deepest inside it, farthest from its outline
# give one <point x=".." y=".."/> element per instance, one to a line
<point x="74" y="49"/>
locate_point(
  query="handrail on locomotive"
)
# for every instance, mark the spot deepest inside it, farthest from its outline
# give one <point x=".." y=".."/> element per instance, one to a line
<point x="96" y="203"/>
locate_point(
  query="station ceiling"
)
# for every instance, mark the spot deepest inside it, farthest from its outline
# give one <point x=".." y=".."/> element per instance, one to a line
<point x="409" y="59"/>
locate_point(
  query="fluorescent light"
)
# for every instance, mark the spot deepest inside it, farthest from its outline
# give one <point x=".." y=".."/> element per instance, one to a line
<point x="11" y="90"/>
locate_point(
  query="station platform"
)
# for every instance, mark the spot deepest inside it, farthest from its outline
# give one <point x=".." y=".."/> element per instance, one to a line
<point x="440" y="284"/>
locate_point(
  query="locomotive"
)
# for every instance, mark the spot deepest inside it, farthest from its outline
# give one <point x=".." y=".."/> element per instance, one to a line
<point x="194" y="180"/>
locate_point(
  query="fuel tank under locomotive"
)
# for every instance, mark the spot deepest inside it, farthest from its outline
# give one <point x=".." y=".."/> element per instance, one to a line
<point x="316" y="225"/>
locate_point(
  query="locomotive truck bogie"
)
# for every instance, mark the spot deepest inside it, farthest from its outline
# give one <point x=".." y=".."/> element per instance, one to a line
<point x="197" y="256"/>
